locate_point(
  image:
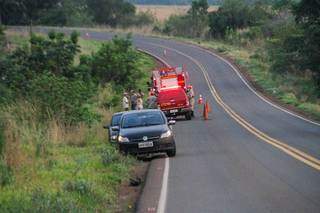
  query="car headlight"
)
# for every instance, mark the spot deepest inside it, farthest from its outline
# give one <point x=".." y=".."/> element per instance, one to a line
<point x="122" y="139"/>
<point x="166" y="134"/>
<point x="114" y="137"/>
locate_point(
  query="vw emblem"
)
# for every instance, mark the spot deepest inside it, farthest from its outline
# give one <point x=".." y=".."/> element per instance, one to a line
<point x="145" y="138"/>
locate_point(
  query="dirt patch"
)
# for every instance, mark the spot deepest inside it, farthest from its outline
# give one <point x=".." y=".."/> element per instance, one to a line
<point x="129" y="192"/>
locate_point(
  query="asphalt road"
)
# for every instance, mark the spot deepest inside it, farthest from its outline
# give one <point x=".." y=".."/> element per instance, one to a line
<point x="223" y="167"/>
<point x="249" y="157"/>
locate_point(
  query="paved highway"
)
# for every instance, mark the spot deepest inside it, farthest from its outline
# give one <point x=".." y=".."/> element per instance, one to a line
<point x="250" y="156"/>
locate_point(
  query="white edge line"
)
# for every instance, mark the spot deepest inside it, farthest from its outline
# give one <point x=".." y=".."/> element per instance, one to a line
<point x="157" y="57"/>
<point x="164" y="188"/>
<point x="253" y="90"/>
<point x="161" y="208"/>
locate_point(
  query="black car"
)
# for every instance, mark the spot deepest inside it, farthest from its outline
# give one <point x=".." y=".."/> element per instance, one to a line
<point x="146" y="132"/>
<point x="115" y="122"/>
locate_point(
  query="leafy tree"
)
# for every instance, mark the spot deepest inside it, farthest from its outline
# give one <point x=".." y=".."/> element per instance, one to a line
<point x="2" y="39"/>
<point x="308" y="16"/>
<point x="10" y="12"/>
<point x="110" y="12"/>
<point x="170" y="2"/>
<point x="61" y="97"/>
<point x="178" y="26"/>
<point x="67" y="13"/>
<point x="55" y="54"/>
<point x="115" y="62"/>
<point x="193" y="24"/>
<point x="23" y="11"/>
<point x="235" y="14"/>
<point x="198" y="13"/>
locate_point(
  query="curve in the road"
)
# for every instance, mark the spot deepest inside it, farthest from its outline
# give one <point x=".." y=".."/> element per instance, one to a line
<point x="297" y="154"/>
<point x="252" y="89"/>
<point x="221" y="166"/>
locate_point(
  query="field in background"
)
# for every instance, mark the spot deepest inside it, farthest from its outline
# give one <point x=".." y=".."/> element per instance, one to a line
<point x="162" y="12"/>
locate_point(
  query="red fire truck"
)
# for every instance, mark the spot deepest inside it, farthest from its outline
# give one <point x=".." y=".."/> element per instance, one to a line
<point x="170" y="85"/>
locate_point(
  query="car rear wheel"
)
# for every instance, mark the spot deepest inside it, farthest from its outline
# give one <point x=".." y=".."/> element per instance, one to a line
<point x="188" y="116"/>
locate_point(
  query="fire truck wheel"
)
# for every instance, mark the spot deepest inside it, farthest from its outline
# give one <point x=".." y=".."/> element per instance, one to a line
<point x="188" y="116"/>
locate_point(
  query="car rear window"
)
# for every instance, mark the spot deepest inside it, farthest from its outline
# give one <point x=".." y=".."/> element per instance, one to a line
<point x="141" y="119"/>
<point x="115" y="120"/>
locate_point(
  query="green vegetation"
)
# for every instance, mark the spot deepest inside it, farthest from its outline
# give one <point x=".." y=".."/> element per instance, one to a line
<point x="277" y="42"/>
<point x="169" y="2"/>
<point x="72" y="13"/>
<point x="54" y="153"/>
<point x="193" y="24"/>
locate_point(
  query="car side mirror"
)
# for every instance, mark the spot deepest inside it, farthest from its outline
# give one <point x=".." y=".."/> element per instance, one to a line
<point x="106" y="126"/>
<point x="171" y="122"/>
<point x="115" y="128"/>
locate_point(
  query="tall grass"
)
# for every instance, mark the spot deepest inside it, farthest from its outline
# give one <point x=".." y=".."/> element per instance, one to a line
<point x="57" y="165"/>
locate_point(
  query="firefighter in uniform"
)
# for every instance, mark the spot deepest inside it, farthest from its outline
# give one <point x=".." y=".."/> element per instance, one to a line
<point x="125" y="102"/>
<point x="190" y="93"/>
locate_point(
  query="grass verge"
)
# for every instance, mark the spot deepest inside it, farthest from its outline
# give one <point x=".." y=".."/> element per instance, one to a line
<point x="53" y="167"/>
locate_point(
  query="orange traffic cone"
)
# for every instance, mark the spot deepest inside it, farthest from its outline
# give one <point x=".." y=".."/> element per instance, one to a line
<point x="208" y="107"/>
<point x="205" y="111"/>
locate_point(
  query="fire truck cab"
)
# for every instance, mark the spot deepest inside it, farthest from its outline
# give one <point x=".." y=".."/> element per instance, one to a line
<point x="170" y="85"/>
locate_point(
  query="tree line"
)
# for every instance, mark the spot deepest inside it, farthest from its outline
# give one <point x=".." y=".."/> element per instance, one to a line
<point x="71" y="13"/>
<point x="170" y="2"/>
<point x="44" y="74"/>
<point x="290" y="31"/>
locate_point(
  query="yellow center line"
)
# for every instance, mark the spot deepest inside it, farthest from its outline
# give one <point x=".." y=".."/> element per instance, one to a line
<point x="293" y="152"/>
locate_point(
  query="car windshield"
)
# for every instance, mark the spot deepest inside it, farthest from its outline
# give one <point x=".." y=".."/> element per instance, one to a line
<point x="140" y="119"/>
<point x="115" y="120"/>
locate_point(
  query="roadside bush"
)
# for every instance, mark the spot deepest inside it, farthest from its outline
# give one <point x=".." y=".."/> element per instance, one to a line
<point x="81" y="187"/>
<point x="43" y="202"/>
<point x="6" y="174"/>
<point x="140" y="19"/>
<point x="65" y="98"/>
<point x="2" y="142"/>
<point x="54" y="54"/>
<point x="2" y="39"/>
<point x="116" y="62"/>
<point x="193" y="24"/>
<point x="178" y="26"/>
<point x="109" y="155"/>
<point x="283" y="49"/>
<point x="235" y="14"/>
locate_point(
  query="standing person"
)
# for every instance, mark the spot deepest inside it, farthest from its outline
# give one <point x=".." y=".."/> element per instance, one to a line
<point x="190" y="93"/>
<point x="125" y="102"/>
<point x="133" y="100"/>
<point x="141" y="93"/>
<point x="139" y="103"/>
<point x="152" y="101"/>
